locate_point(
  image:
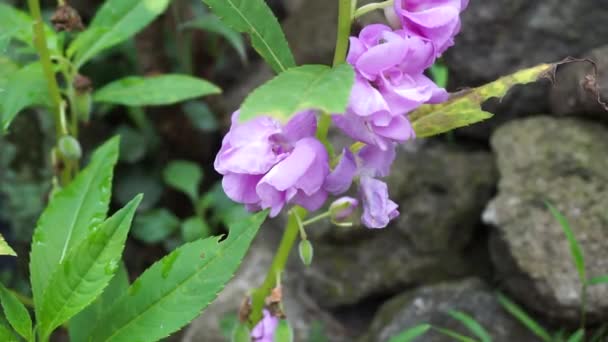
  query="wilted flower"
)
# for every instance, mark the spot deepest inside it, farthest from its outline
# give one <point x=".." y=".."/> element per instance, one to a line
<point x="378" y="209"/>
<point x="267" y="165"/>
<point x="435" y="20"/>
<point x="265" y="329"/>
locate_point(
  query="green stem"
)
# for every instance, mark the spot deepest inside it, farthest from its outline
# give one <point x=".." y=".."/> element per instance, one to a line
<point x="316" y="218"/>
<point x="344" y="22"/>
<point x="47" y="66"/>
<point x="278" y="264"/>
<point x="372" y="7"/>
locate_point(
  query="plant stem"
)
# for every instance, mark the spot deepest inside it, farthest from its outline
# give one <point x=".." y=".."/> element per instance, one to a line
<point x="278" y="264"/>
<point x="583" y="305"/>
<point x="372" y="7"/>
<point x="47" y="66"/>
<point x="316" y="218"/>
<point x="344" y="22"/>
<point x="25" y="300"/>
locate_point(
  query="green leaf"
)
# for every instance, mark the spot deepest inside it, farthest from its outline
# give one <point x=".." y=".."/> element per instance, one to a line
<point x="439" y="72"/>
<point x="24" y="88"/>
<point x="578" y="336"/>
<point x="80" y="326"/>
<point x="195" y="228"/>
<point x="16" y="313"/>
<point x="5" y="249"/>
<point x="255" y="18"/>
<point x="472" y="325"/>
<point x="155" y="225"/>
<point x="6" y="333"/>
<point x="456" y="336"/>
<point x="201" y="116"/>
<point x="19" y="25"/>
<point x="464" y="108"/>
<point x="134" y="144"/>
<point x="211" y="23"/>
<point x="306" y="87"/>
<point x="115" y="22"/>
<point x="71" y="215"/>
<point x="411" y="333"/>
<point x="174" y="290"/>
<point x="86" y="271"/>
<point x="523" y="318"/>
<point x="184" y="176"/>
<point x="154" y="91"/>
<point x="598" y="280"/>
<point x="575" y="249"/>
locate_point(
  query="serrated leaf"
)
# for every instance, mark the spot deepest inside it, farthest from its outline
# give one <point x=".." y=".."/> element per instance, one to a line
<point x="256" y="19"/>
<point x="598" y="280"/>
<point x="472" y="325"/>
<point x="306" y="87"/>
<point x="578" y="336"/>
<point x="71" y="214"/>
<point x="464" y="108"/>
<point x="411" y="334"/>
<point x="86" y="271"/>
<point x="80" y="326"/>
<point x="211" y="23"/>
<point x="174" y="290"/>
<point x="5" y="249"/>
<point x="155" y="225"/>
<point x="195" y="228"/>
<point x="115" y="22"/>
<point x="24" y="88"/>
<point x="575" y="249"/>
<point x="524" y="318"/>
<point x="184" y="176"/>
<point x="154" y="91"/>
<point x="19" y="25"/>
<point x="16" y="313"/>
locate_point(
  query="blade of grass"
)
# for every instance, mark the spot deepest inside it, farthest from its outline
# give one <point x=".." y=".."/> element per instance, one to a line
<point x="411" y="333"/>
<point x="575" y="248"/>
<point x="577" y="336"/>
<point x="598" y="280"/>
<point x="454" y="335"/>
<point x="524" y="318"/>
<point x="472" y="325"/>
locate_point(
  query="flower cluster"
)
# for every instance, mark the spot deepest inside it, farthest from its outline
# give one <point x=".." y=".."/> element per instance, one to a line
<point x="269" y="165"/>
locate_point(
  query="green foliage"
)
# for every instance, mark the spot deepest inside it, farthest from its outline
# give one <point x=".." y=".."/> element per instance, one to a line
<point x="456" y="336"/>
<point x="155" y="225"/>
<point x="5" y="249"/>
<point x="201" y="116"/>
<point x="16" y="314"/>
<point x="70" y="216"/>
<point x="24" y="88"/>
<point x="80" y="326"/>
<point x="524" y="318"/>
<point x="598" y="280"/>
<point x="18" y="25"/>
<point x="472" y="325"/>
<point x="284" y="332"/>
<point x="211" y="23"/>
<point x="575" y="249"/>
<point x="194" y="228"/>
<point x="116" y="21"/>
<point x="464" y="108"/>
<point x="154" y="91"/>
<point x="578" y="336"/>
<point x="411" y="334"/>
<point x="257" y="20"/>
<point x="306" y="87"/>
<point x="86" y="271"/>
<point x="184" y="176"/>
<point x="174" y="290"/>
<point x="440" y="73"/>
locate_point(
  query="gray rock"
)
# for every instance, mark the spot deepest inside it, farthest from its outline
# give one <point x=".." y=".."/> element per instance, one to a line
<point x="563" y="161"/>
<point x="572" y="93"/>
<point x="432" y="304"/>
<point x="441" y="191"/>
<point x="302" y="312"/>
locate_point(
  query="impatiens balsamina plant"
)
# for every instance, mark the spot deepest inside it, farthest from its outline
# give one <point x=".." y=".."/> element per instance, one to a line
<point x="276" y="158"/>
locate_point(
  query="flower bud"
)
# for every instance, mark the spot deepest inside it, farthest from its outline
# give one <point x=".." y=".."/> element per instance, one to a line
<point x="306" y="252"/>
<point x="83" y="102"/>
<point x="342" y="208"/>
<point x="66" y="18"/>
<point x="69" y="148"/>
<point x="241" y="333"/>
<point x="284" y="332"/>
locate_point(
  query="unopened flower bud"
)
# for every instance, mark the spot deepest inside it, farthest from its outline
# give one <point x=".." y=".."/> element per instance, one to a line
<point x="342" y="208"/>
<point x="241" y="333"/>
<point x="66" y="18"/>
<point x="284" y="332"/>
<point x="83" y="102"/>
<point x="306" y="252"/>
<point x="69" y="148"/>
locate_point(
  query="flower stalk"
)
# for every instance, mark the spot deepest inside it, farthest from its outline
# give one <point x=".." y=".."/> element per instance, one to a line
<point x="372" y="7"/>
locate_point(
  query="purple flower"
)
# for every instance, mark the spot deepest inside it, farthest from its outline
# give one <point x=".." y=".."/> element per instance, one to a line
<point x="389" y="83"/>
<point x="435" y="20"/>
<point x="342" y="208"/>
<point x="378" y="209"/>
<point x="265" y="329"/>
<point x="267" y="165"/>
